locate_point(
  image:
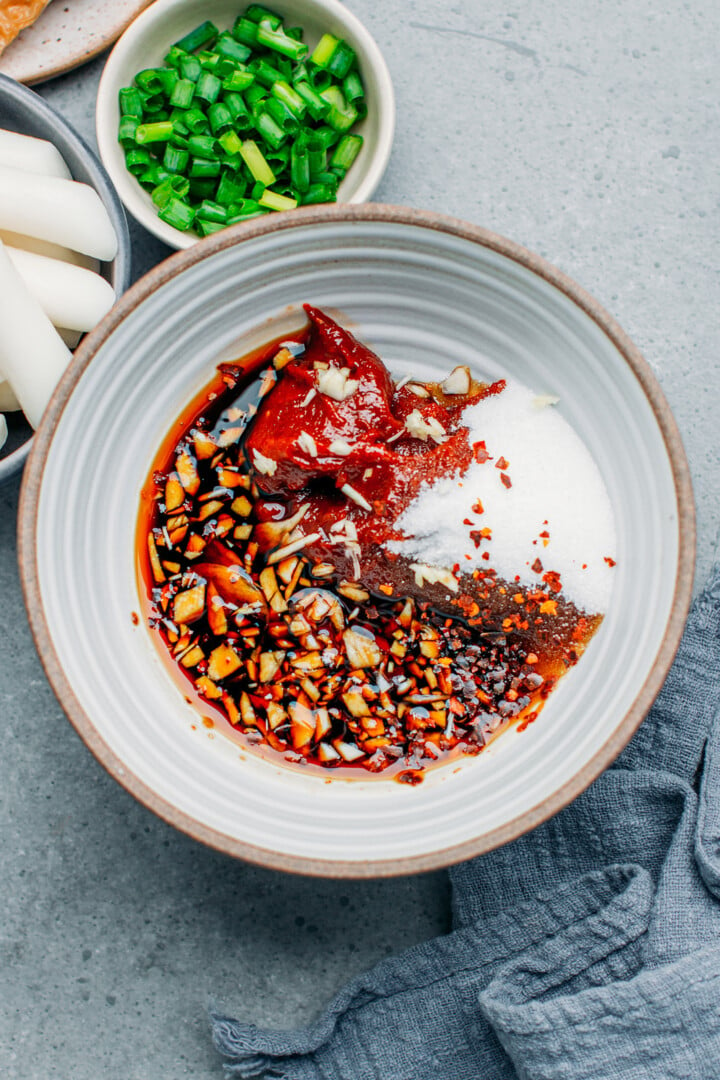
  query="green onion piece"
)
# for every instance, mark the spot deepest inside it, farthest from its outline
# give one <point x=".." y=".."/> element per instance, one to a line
<point x="150" y="80"/>
<point x="175" y="159"/>
<point x="319" y="79"/>
<point x="342" y="114"/>
<point x="265" y="72"/>
<point x="209" y="61"/>
<point x="255" y="93"/>
<point x="274" y="201"/>
<point x="288" y="97"/>
<point x="174" y="57"/>
<point x="190" y="68"/>
<point x="277" y="41"/>
<point x="160" y="131"/>
<point x="327" y="135"/>
<point x="207" y="228"/>
<point x="327" y="177"/>
<point x="282" y="116"/>
<point x="278" y="159"/>
<point x="285" y="66"/>
<point x="203" y="167"/>
<point x="154" y="174"/>
<point x="300" y="166"/>
<point x="208" y="88"/>
<point x="245" y="31"/>
<point x="178" y="121"/>
<point x="173" y="187"/>
<point x="168" y="77"/>
<point x="266" y="126"/>
<point x="230" y="189"/>
<point x="238" y="111"/>
<point x="296" y="32"/>
<point x="178" y="140"/>
<point x="220" y="118"/>
<point x="178" y="214"/>
<point x="234" y="50"/>
<point x="318" y="193"/>
<point x="342" y="60"/>
<point x="257" y="190"/>
<point x="136" y="161"/>
<point x="211" y="211"/>
<point x="182" y="94"/>
<point x="346" y="151"/>
<point x="353" y="88"/>
<point x="315" y="105"/>
<point x="323" y="51"/>
<point x="203" y="146"/>
<point x="246" y="217"/>
<point x="196" y="121"/>
<point x="238" y="80"/>
<point x="130" y="102"/>
<point x="257" y="13"/>
<point x="202" y="37"/>
<point x="256" y="163"/>
<point x="230" y="142"/>
<point x="362" y="109"/>
<point x="126" y="131"/>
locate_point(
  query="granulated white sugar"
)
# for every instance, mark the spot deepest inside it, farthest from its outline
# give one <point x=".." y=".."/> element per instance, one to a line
<point x="555" y="509"/>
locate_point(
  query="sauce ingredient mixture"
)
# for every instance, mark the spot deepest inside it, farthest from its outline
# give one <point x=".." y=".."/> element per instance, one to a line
<point x="244" y="122"/>
<point x="355" y="573"/>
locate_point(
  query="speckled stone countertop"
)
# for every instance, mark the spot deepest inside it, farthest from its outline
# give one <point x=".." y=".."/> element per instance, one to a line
<point x="590" y="134"/>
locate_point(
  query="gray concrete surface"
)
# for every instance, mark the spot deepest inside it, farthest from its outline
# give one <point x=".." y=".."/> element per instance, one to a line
<point x="588" y="132"/>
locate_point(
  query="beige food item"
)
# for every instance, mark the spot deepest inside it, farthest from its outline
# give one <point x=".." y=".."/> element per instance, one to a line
<point x="8" y="401"/>
<point x="3" y="431"/>
<point x="16" y="15"/>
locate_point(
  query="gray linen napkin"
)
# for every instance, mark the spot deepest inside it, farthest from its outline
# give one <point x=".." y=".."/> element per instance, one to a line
<point x="589" y="948"/>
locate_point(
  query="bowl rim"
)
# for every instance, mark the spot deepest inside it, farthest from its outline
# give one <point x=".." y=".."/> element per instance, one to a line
<point x="126" y="185"/>
<point x="17" y="92"/>
<point x="617" y="740"/>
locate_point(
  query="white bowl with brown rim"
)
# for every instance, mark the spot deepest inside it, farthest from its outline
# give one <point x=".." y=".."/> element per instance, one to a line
<point x="421" y="289"/>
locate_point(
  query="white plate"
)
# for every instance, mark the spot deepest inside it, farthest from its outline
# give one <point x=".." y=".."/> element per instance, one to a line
<point x="426" y="293"/>
<point x="67" y="34"/>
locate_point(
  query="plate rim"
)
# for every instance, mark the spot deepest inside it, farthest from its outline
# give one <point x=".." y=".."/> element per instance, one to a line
<point x="522" y="823"/>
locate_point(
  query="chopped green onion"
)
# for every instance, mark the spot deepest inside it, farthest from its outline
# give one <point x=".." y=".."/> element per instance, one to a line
<point x="182" y="93"/>
<point x="150" y="81"/>
<point x="208" y="87"/>
<point x="230" y="190"/>
<point x="203" y="146"/>
<point x="266" y="126"/>
<point x="274" y="201"/>
<point x="315" y="105"/>
<point x="175" y="159"/>
<point x="239" y="112"/>
<point x="234" y="50"/>
<point x="353" y="88"/>
<point x="126" y="131"/>
<point x="323" y="51"/>
<point x="203" y="167"/>
<point x="177" y="213"/>
<point x="245" y="31"/>
<point x="341" y="60"/>
<point x="288" y="97"/>
<point x="265" y="73"/>
<point x="201" y="37"/>
<point x="190" y="68"/>
<point x="196" y="121"/>
<point x="256" y="163"/>
<point x="285" y="120"/>
<point x="211" y="211"/>
<point x="342" y="114"/>
<point x="257" y="13"/>
<point x="230" y="142"/>
<point x="207" y="228"/>
<point x="137" y="160"/>
<point x="346" y="151"/>
<point x="279" y="42"/>
<point x="220" y="118"/>
<point x="173" y="187"/>
<point x="238" y="80"/>
<point x="319" y="193"/>
<point x="130" y="102"/>
<point x="300" y="166"/>
<point x="160" y="131"/>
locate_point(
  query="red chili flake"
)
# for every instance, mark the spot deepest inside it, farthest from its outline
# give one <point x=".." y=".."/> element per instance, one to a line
<point x="480" y="452"/>
<point x="584" y="566"/>
<point x="502" y="463"/>
<point x="609" y="561"/>
<point x="506" y="479"/>
<point x="469" y="556"/>
<point x="545" y="535"/>
<point x="486" y="554"/>
<point x="467" y="521"/>
<point x="456" y="568"/>
<point x="537" y="566"/>
<point x="478" y="535"/>
<point x="478" y="508"/>
<point x="552" y="578"/>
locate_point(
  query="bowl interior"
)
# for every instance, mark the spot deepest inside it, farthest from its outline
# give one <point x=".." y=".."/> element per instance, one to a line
<point x="425" y="298"/>
<point x="145" y="43"/>
<point x="24" y="111"/>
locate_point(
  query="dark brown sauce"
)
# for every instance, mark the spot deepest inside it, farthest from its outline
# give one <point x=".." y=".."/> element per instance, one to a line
<point x="471" y="676"/>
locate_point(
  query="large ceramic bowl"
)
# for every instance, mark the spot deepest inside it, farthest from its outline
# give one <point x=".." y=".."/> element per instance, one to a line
<point x="25" y="111"/>
<point x="425" y="292"/>
<point x="145" y="43"/>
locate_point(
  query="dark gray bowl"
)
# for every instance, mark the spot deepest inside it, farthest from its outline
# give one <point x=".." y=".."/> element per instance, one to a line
<point x="25" y="111"/>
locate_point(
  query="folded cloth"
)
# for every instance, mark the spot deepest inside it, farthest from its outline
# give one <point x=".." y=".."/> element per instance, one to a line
<point x="589" y="948"/>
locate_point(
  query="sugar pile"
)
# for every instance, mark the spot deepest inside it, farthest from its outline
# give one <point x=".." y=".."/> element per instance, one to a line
<point x="539" y="493"/>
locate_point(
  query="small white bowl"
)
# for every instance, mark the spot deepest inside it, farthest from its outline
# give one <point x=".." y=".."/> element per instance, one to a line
<point x="425" y="292"/>
<point x="147" y="40"/>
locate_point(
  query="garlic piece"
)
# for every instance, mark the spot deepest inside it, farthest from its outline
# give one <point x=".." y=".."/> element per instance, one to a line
<point x="425" y="427"/>
<point x="336" y="383"/>
<point x="457" y="382"/>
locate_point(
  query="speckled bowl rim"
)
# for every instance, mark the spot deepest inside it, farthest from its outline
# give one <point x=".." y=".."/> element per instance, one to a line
<point x="371" y="868"/>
